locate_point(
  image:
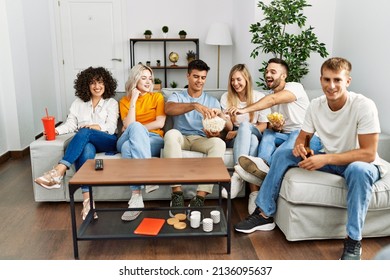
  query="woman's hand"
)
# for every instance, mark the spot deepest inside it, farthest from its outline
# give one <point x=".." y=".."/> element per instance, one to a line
<point x="92" y="126"/>
<point x="231" y="134"/>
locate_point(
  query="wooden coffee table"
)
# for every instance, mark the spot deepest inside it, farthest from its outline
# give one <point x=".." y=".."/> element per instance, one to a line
<point x="154" y="171"/>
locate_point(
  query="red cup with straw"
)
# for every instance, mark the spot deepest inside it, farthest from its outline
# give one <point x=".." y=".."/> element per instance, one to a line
<point x="49" y="126"/>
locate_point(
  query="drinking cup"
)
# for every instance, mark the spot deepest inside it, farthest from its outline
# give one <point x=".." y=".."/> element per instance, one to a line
<point x="207" y="224"/>
<point x="195" y="220"/>
<point x="49" y="127"/>
<point x="215" y="216"/>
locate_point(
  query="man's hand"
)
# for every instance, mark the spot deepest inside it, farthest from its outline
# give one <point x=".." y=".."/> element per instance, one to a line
<point x="210" y="134"/>
<point x="277" y="126"/>
<point x="205" y="111"/>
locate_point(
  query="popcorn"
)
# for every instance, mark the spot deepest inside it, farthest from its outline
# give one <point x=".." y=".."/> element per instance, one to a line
<point x="275" y="117"/>
<point x="214" y="125"/>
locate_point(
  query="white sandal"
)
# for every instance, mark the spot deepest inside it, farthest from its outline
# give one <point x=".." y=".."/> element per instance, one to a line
<point x="86" y="208"/>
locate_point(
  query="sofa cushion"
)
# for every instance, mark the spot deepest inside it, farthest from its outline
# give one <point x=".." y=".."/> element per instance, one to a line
<point x="323" y="189"/>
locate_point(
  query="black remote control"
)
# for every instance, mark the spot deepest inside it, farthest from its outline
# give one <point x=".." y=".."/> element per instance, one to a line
<point x="98" y="164"/>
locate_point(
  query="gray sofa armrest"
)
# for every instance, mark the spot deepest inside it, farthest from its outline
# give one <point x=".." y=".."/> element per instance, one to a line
<point x="44" y="156"/>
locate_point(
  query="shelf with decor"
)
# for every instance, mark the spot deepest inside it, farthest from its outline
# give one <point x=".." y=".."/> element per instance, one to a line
<point x="164" y="66"/>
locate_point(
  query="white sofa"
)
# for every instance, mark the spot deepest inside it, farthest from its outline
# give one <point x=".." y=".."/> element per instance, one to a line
<point x="46" y="154"/>
<point x="311" y="205"/>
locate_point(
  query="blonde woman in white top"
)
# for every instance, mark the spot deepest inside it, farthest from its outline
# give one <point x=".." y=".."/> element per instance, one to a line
<point x="93" y="116"/>
<point x="247" y="128"/>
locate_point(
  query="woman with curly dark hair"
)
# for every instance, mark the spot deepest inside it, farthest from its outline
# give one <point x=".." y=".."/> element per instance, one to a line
<point x="93" y="116"/>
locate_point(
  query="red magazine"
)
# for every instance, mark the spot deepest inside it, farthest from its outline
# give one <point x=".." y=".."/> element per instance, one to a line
<point x="149" y="226"/>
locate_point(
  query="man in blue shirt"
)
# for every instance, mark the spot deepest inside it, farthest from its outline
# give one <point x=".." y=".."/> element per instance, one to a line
<point x="188" y="109"/>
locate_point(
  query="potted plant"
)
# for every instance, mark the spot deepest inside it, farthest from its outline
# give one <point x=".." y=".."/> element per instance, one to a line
<point x="165" y="30"/>
<point x="173" y="84"/>
<point x="270" y="36"/>
<point x="148" y="63"/>
<point x="158" y="63"/>
<point x="157" y="84"/>
<point x="148" y="34"/>
<point x="191" y="55"/>
<point x="182" y="34"/>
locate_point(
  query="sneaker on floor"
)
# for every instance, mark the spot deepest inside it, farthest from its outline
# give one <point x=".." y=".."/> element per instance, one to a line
<point x="246" y="176"/>
<point x="352" y="250"/>
<point x="252" y="202"/>
<point x="254" y="165"/>
<point x="50" y="180"/>
<point x="135" y="201"/>
<point x="86" y="208"/>
<point x="236" y="185"/>
<point x="255" y="222"/>
<point x="151" y="188"/>
<point x="177" y="200"/>
<point x="196" y="202"/>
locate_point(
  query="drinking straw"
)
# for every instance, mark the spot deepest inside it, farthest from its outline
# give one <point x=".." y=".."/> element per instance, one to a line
<point x="47" y="114"/>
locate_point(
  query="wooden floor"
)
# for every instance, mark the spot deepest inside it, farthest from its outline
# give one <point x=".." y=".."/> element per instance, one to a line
<point x="42" y="231"/>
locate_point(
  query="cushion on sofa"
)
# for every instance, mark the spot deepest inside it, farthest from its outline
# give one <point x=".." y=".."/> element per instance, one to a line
<point x="312" y="205"/>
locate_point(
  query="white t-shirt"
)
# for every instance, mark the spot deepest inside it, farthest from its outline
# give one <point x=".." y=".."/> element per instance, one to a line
<point x="259" y="116"/>
<point x="293" y="112"/>
<point x="339" y="130"/>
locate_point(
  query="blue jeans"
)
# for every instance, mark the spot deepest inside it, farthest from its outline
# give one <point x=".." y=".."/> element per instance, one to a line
<point x="359" y="176"/>
<point x="84" y="145"/>
<point x="137" y="142"/>
<point x="274" y="142"/>
<point x="246" y="141"/>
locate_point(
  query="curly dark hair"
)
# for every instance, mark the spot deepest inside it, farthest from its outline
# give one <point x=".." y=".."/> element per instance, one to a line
<point x="87" y="76"/>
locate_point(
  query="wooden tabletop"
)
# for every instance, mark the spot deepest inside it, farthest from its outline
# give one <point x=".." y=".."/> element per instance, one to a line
<point x="152" y="171"/>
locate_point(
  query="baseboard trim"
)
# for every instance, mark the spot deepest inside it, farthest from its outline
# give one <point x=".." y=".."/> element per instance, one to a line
<point x="14" y="155"/>
<point x="5" y="157"/>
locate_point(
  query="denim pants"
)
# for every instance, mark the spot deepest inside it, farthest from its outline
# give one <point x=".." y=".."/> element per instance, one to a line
<point x="84" y="145"/>
<point x="137" y="142"/>
<point x="246" y="141"/>
<point x="274" y="142"/>
<point x="359" y="177"/>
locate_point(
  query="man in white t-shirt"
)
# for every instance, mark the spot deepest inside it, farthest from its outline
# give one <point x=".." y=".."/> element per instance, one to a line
<point x="348" y="126"/>
<point x="286" y="98"/>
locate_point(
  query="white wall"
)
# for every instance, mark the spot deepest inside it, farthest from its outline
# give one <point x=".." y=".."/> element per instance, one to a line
<point x="29" y="68"/>
<point x="362" y="36"/>
<point x="195" y="18"/>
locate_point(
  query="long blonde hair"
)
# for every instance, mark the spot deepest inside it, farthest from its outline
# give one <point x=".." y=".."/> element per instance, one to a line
<point x="232" y="98"/>
<point x="135" y="76"/>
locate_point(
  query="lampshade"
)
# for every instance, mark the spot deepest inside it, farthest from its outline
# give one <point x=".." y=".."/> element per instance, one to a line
<point x="218" y="34"/>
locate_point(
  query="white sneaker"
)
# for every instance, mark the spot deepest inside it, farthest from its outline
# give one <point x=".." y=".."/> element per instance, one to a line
<point x="236" y="185"/>
<point x="254" y="165"/>
<point x="86" y="208"/>
<point x="136" y="201"/>
<point x="151" y="188"/>
<point x="251" y="202"/>
<point x="50" y="180"/>
<point x="248" y="177"/>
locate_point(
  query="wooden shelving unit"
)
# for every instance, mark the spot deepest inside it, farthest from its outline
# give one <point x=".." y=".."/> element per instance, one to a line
<point x="165" y="66"/>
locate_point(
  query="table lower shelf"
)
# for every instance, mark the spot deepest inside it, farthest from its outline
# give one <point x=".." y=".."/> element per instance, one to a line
<point x="110" y="226"/>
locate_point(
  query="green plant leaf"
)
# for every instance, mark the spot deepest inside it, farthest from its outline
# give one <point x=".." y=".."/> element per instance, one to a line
<point x="270" y="37"/>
